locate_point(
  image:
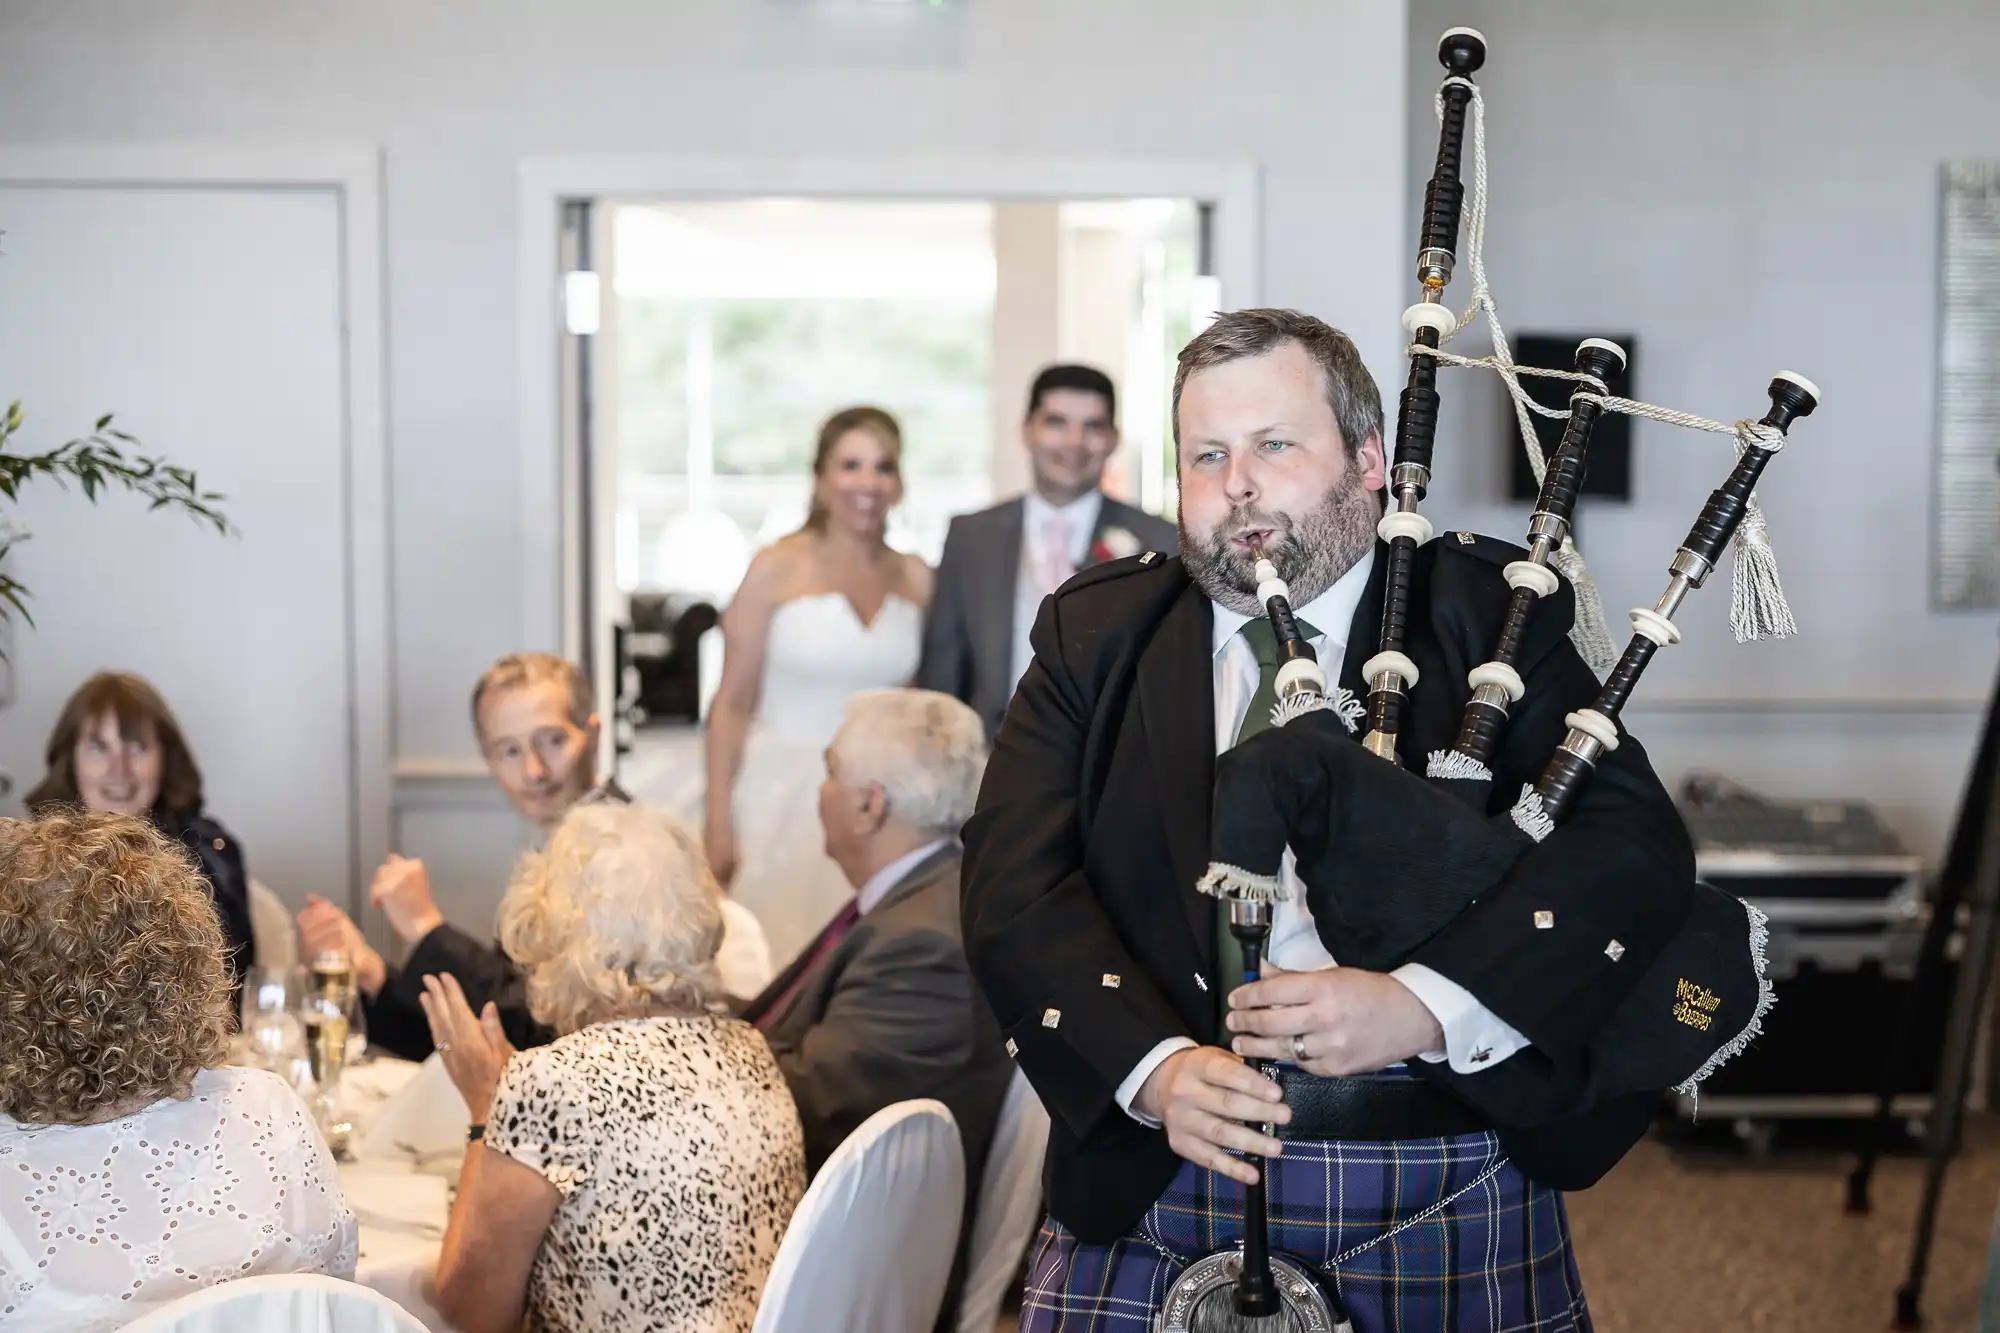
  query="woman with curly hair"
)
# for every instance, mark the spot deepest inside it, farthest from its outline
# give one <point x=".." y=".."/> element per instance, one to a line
<point x="117" y="747"/>
<point x="637" y="1173"/>
<point x="133" y="1170"/>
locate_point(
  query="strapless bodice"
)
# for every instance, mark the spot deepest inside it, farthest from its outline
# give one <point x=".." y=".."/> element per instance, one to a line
<point x="818" y="654"/>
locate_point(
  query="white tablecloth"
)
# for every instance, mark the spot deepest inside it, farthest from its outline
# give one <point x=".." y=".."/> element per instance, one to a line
<point x="402" y="1215"/>
<point x="402" y="1210"/>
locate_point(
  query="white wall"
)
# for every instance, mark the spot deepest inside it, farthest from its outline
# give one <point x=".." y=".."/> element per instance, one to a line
<point x="1748" y="189"/>
<point x="457" y="91"/>
<point x="209" y="320"/>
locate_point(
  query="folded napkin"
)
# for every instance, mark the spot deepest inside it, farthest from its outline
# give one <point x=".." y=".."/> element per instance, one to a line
<point x="424" y="1119"/>
<point x="398" y="1201"/>
<point x="364" y="1087"/>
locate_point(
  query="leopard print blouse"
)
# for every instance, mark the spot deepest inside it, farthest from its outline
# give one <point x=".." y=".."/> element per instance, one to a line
<point x="677" y="1151"/>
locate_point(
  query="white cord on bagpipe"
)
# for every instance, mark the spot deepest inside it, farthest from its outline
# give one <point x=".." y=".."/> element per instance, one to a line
<point x="1757" y="607"/>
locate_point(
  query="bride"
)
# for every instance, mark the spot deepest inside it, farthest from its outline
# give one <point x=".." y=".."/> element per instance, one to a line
<point x="822" y="614"/>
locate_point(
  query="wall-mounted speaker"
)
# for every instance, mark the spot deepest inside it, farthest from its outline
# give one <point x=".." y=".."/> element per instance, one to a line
<point x="1608" y="465"/>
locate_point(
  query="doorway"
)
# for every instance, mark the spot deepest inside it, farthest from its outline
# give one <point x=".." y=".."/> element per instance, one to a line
<point x="729" y="328"/>
<point x="643" y="420"/>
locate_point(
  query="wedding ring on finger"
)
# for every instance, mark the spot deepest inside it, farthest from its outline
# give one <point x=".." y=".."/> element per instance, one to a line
<point x="1299" y="1047"/>
<point x="443" y="1047"/>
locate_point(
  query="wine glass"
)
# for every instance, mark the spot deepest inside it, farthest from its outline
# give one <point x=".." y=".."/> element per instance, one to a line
<point x="271" y="1031"/>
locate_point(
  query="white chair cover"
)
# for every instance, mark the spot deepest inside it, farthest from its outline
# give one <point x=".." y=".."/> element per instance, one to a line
<point x="744" y="960"/>
<point x="1010" y="1204"/>
<point x="284" y="1303"/>
<point x="272" y="933"/>
<point x="871" y="1244"/>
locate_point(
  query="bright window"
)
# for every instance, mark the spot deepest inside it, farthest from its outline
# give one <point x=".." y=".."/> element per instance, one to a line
<point x="742" y="325"/>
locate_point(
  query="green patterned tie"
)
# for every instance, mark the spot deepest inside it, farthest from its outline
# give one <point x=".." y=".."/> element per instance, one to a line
<point x="1263" y="642"/>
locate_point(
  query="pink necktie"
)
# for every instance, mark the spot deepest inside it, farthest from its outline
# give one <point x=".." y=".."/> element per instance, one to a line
<point x="1056" y="565"/>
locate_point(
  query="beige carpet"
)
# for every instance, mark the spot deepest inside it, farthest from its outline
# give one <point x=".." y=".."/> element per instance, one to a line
<point x="1680" y="1239"/>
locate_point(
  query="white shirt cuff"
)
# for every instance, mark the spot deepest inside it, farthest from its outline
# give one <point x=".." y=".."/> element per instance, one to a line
<point x="1143" y="1071"/>
<point x="1475" y="1037"/>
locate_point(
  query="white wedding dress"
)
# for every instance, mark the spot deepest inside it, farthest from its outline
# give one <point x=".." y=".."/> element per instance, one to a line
<point x="817" y="655"/>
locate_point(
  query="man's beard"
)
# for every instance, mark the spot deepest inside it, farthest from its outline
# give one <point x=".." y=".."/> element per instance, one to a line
<point x="1310" y="552"/>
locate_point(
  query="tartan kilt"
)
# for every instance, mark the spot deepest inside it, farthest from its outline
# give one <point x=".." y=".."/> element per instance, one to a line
<point x="1416" y="1236"/>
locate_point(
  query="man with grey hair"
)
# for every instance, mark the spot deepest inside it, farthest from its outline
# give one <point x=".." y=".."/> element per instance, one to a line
<point x="881" y="1007"/>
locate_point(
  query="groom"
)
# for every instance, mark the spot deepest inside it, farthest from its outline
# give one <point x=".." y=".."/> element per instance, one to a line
<point x="1001" y="562"/>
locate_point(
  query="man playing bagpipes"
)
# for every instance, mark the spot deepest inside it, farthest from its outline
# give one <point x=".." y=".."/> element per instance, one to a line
<point x="1106" y="965"/>
<point x="1466" y="911"/>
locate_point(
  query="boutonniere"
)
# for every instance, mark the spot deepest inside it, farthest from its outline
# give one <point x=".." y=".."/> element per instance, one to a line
<point x="1114" y="544"/>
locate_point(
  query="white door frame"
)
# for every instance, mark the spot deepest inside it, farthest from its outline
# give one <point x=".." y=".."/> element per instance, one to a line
<point x="547" y="541"/>
<point x="353" y="172"/>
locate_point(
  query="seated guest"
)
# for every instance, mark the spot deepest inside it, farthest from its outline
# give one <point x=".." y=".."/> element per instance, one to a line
<point x="537" y="728"/>
<point x="116" y="747"/>
<point x="881" y="1008"/>
<point x="638" y="1172"/>
<point x="134" y="1170"/>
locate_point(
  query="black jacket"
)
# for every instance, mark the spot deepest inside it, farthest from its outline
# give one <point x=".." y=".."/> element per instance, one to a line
<point x="221" y="858"/>
<point x="395" y="1016"/>
<point x="1083" y="925"/>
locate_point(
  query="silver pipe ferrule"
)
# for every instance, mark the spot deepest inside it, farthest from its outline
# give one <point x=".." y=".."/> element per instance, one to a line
<point x="1434" y="271"/>
<point x="1553" y="527"/>
<point x="1690" y="566"/>
<point x="1250" y="913"/>
<point x="1583" y="745"/>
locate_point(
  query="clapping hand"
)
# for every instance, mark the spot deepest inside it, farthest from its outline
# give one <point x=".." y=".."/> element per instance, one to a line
<point x="401" y="890"/>
<point x="475" y="1049"/>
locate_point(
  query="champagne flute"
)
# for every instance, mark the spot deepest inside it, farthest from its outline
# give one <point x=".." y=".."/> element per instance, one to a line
<point x="329" y="1000"/>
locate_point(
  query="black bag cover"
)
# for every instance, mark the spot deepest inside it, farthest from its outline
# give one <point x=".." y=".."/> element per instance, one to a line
<point x="1387" y="860"/>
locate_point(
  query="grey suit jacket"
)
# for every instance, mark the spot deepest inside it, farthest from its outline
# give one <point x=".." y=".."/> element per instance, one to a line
<point x="891" y="1014"/>
<point x="969" y="631"/>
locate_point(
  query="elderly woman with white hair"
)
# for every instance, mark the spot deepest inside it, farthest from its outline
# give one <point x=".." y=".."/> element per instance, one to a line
<point x="637" y="1173"/>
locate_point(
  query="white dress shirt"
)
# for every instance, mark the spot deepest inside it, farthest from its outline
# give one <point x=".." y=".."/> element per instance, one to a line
<point x="1079" y="518"/>
<point x="1475" y="1037"/>
<point x="889" y="876"/>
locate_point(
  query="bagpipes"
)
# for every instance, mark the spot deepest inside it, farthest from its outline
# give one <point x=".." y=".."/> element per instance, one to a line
<point x="1251" y="1288"/>
<point x="1388" y="858"/>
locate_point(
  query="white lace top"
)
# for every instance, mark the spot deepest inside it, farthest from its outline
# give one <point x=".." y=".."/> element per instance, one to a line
<point x="100" y="1224"/>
